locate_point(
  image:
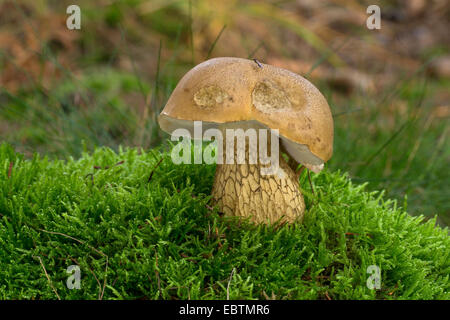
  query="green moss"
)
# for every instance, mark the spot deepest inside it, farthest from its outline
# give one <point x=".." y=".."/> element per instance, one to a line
<point x="158" y="239"/>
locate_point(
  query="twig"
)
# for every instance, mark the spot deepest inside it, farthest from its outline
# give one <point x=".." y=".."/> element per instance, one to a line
<point x="272" y="297"/>
<point x="229" y="281"/>
<point x="153" y="171"/>
<point x="107" y="167"/>
<point x="75" y="239"/>
<point x="99" y="284"/>
<point x="48" y="277"/>
<point x="299" y="172"/>
<point x="91" y="247"/>
<point x="207" y="206"/>
<point x="104" y="280"/>
<point x="310" y="182"/>
<point x="280" y="224"/>
<point x="157" y="274"/>
<point x="10" y="169"/>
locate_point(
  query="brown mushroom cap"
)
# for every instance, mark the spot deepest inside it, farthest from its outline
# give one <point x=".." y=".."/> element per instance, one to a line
<point x="222" y="90"/>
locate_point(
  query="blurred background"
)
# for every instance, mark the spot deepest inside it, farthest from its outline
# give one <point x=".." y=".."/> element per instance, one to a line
<point x="65" y="91"/>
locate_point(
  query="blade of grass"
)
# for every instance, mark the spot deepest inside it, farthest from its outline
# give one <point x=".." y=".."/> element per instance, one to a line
<point x="191" y="33"/>
<point x="259" y="46"/>
<point x="215" y="41"/>
<point x="133" y="63"/>
<point x="295" y="24"/>
<point x="325" y="56"/>
<point x="347" y="112"/>
<point x="156" y="83"/>
<point x="402" y="83"/>
<point x="396" y="133"/>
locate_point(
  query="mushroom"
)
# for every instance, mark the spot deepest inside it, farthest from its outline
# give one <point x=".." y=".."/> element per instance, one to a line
<point x="234" y="93"/>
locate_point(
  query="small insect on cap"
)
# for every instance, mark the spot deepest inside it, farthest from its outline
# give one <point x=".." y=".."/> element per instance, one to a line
<point x="223" y="90"/>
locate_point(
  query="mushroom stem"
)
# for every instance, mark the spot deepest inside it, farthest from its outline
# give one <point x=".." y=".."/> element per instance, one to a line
<point x="241" y="190"/>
